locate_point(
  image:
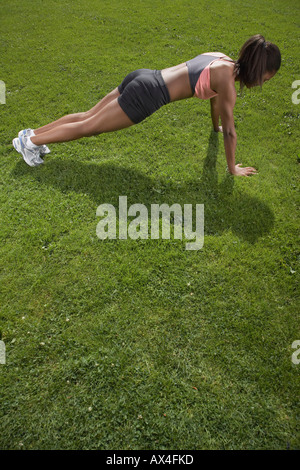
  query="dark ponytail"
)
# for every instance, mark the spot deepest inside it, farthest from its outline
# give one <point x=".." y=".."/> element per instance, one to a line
<point x="256" y="57"/>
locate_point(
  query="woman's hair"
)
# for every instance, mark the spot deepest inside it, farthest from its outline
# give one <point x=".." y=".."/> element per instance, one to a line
<point x="256" y="57"/>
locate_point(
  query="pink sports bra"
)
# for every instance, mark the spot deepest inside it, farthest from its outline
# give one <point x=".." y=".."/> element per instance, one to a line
<point x="199" y="74"/>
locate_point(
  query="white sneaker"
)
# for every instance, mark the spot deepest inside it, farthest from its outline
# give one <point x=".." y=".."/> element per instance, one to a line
<point x="28" y="133"/>
<point x="30" y="156"/>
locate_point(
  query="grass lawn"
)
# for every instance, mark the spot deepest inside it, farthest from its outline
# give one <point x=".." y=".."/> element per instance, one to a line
<point x="141" y="344"/>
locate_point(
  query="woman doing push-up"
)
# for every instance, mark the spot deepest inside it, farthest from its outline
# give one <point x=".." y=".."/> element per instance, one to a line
<point x="211" y="75"/>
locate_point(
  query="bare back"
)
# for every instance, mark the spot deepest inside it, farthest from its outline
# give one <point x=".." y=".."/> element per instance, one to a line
<point x="178" y="83"/>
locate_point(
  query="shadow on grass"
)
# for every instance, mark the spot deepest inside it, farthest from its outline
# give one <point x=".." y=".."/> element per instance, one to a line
<point x="248" y="217"/>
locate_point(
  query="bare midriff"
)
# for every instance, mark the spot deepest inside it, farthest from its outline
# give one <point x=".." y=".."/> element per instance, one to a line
<point x="177" y="81"/>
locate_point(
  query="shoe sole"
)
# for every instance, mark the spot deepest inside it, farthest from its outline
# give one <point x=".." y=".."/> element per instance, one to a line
<point x="17" y="145"/>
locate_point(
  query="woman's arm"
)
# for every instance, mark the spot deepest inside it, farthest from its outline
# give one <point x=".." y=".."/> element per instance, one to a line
<point x="215" y="113"/>
<point x="227" y="98"/>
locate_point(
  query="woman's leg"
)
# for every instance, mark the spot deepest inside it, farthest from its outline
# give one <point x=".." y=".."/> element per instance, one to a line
<point x="108" y="119"/>
<point x="80" y="116"/>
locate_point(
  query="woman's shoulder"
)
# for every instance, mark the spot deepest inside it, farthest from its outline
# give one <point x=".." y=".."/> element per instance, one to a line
<point x="222" y="77"/>
<point x="221" y="61"/>
<point x="215" y="54"/>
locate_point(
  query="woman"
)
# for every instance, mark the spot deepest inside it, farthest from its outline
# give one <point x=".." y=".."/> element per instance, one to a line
<point x="208" y="76"/>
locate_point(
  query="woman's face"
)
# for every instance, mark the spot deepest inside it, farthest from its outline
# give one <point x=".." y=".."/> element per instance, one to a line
<point x="266" y="76"/>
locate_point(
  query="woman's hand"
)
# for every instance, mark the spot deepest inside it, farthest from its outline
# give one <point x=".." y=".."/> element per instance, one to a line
<point x="219" y="129"/>
<point x="247" y="171"/>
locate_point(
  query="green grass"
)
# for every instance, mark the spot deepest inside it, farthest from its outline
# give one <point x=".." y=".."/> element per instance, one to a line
<point x="141" y="344"/>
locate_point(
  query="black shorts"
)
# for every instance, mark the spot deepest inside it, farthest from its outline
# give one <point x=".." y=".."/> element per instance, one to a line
<point x="142" y="92"/>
